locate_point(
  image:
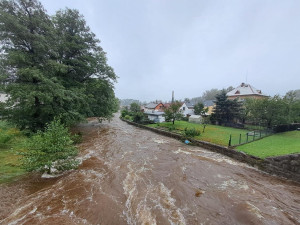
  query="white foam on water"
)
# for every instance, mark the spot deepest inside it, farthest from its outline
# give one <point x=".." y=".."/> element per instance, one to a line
<point x="182" y="151"/>
<point x="252" y="208"/>
<point x="233" y="184"/>
<point x="160" y="141"/>
<point x="167" y="205"/>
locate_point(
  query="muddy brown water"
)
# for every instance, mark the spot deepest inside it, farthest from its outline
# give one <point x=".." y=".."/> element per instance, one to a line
<point x="132" y="176"/>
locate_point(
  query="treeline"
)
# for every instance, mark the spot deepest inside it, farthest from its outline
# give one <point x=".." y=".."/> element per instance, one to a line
<point x="52" y="66"/>
<point x="267" y="112"/>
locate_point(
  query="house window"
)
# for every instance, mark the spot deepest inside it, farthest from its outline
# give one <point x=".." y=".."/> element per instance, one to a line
<point x="183" y="108"/>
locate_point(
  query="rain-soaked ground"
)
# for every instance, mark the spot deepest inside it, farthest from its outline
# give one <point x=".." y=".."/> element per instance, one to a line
<point x="133" y="176"/>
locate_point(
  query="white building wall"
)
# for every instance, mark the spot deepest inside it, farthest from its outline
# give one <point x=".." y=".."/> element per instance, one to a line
<point x="185" y="110"/>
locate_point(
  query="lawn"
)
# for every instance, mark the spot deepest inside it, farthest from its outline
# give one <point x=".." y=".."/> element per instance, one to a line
<point x="10" y="140"/>
<point x="275" y="145"/>
<point x="214" y="134"/>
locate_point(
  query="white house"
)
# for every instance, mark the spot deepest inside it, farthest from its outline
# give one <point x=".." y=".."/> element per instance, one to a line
<point x="155" y="116"/>
<point x="187" y="109"/>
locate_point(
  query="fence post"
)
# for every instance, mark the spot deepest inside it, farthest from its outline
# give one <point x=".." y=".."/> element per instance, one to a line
<point x="247" y="137"/>
<point x="260" y="134"/>
<point x="229" y="143"/>
<point x="240" y="139"/>
<point x="253" y="135"/>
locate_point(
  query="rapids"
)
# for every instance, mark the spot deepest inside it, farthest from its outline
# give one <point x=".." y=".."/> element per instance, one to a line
<point x="133" y="176"/>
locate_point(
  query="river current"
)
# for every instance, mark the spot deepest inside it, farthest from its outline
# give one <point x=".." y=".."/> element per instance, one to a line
<point x="133" y="176"/>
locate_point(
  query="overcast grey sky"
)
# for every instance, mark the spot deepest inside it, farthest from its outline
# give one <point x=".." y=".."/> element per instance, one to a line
<point x="156" y="46"/>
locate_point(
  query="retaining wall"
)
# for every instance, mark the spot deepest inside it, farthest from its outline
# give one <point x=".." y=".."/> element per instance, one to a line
<point x="287" y="166"/>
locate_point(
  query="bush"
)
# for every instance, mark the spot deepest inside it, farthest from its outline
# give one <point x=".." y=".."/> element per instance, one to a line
<point x="50" y="150"/>
<point x="124" y="113"/>
<point x="127" y="117"/>
<point x="138" y="117"/>
<point x="286" y="127"/>
<point x="191" y="132"/>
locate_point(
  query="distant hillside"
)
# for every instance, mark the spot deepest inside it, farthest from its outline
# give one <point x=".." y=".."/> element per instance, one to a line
<point x="127" y="102"/>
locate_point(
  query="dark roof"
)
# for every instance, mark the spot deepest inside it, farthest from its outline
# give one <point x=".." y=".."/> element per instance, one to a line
<point x="189" y="105"/>
<point x="208" y="103"/>
<point x="151" y="105"/>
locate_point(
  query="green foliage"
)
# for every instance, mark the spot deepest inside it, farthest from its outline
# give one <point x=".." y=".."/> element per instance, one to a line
<point x="191" y="132"/>
<point x="138" y="117"/>
<point x="124" y="113"/>
<point x="52" y="148"/>
<point x="52" y="66"/>
<point x="226" y="111"/>
<point x="127" y="117"/>
<point x="134" y="107"/>
<point x="273" y="111"/>
<point x="199" y="109"/>
<point x="173" y="113"/>
<point x="214" y="134"/>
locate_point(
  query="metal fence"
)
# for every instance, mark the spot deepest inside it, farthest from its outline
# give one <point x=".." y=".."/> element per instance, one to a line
<point x="236" y="140"/>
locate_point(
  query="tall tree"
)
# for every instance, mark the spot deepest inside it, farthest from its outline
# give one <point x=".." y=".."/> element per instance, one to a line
<point x="134" y="107"/>
<point x="52" y="66"/>
<point x="226" y="111"/>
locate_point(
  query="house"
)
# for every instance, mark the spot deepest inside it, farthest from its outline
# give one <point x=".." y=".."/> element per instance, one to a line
<point x="187" y="109"/>
<point x="245" y="91"/>
<point x="209" y="105"/>
<point x="155" y="112"/>
<point x="154" y="107"/>
<point x="156" y="116"/>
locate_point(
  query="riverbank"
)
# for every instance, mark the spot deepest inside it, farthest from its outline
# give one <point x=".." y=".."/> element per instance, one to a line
<point x="287" y="166"/>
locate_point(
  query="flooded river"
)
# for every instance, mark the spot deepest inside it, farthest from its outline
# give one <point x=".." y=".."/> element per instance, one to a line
<point x="132" y="176"/>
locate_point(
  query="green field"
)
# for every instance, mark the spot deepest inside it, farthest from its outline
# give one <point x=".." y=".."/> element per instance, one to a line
<point x="214" y="134"/>
<point x="275" y="145"/>
<point x="10" y="140"/>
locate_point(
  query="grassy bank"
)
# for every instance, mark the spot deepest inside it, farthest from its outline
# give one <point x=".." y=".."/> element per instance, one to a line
<point x="275" y="145"/>
<point x="214" y="134"/>
<point x="10" y="140"/>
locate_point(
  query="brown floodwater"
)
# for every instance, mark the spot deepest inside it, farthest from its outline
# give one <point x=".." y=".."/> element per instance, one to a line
<point x="133" y="176"/>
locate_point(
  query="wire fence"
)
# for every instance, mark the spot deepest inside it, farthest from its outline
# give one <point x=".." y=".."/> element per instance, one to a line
<point x="236" y="140"/>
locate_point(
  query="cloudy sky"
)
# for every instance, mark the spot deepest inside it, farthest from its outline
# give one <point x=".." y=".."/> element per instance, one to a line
<point x="189" y="46"/>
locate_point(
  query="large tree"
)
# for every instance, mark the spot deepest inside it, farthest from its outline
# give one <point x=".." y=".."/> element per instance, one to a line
<point x="52" y="66"/>
<point x="226" y="111"/>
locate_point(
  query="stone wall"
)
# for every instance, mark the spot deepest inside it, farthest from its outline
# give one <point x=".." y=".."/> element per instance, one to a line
<point x="287" y="166"/>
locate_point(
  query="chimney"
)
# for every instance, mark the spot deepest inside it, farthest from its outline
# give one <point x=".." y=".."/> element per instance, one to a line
<point x="172" y="96"/>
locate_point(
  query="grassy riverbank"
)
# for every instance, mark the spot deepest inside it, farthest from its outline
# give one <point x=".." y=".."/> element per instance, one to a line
<point x="212" y="133"/>
<point x="275" y="145"/>
<point x="10" y="140"/>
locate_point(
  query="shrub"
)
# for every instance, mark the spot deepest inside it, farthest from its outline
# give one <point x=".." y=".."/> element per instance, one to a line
<point x="127" y="117"/>
<point x="138" y="117"/>
<point x="286" y="127"/>
<point x="124" y="113"/>
<point x="191" y="132"/>
<point x="50" y="150"/>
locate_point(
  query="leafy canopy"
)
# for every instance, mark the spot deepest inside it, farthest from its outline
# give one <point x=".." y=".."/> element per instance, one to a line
<point x="52" y="66"/>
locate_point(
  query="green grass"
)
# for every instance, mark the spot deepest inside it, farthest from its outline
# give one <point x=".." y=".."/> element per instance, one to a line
<point x="214" y="134"/>
<point x="275" y="145"/>
<point x="10" y="140"/>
